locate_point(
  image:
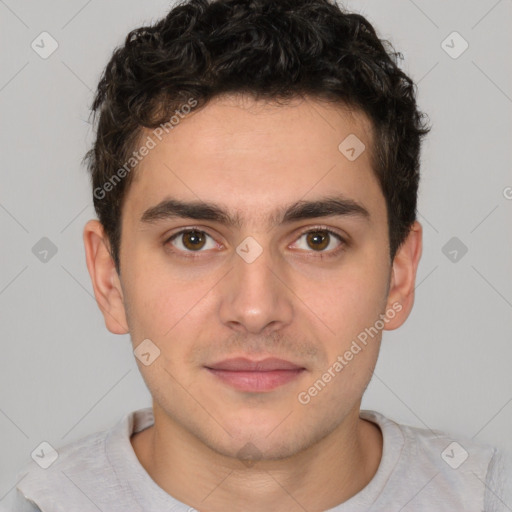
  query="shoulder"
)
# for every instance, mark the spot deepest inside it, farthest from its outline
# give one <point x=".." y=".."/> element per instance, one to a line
<point x="82" y="470"/>
<point x="441" y="449"/>
<point x="54" y="469"/>
<point x="18" y="503"/>
<point x="432" y="466"/>
<point x="449" y="451"/>
<point x="499" y="482"/>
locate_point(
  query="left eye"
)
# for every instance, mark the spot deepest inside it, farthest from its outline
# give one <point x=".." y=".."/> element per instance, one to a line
<point x="192" y="240"/>
<point x="320" y="239"/>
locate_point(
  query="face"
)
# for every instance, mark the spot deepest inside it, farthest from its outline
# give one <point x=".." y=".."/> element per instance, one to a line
<point x="242" y="274"/>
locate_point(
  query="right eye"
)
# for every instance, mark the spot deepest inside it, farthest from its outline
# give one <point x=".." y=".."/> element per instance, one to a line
<point x="191" y="240"/>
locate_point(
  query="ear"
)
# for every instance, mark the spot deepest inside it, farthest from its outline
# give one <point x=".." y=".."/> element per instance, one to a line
<point x="104" y="277"/>
<point x="403" y="277"/>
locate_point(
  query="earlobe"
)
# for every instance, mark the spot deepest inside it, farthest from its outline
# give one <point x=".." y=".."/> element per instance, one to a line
<point x="403" y="278"/>
<point x="105" y="281"/>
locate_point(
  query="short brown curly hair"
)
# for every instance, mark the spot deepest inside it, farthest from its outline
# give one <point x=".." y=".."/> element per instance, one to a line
<point x="269" y="49"/>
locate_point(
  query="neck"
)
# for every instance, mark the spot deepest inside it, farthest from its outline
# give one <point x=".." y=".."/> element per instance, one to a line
<point x="324" y="475"/>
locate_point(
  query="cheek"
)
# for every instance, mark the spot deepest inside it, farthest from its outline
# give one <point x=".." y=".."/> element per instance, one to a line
<point x="361" y="308"/>
<point x="337" y="388"/>
<point x="352" y="311"/>
<point x="152" y="306"/>
<point x="166" y="308"/>
<point x="348" y="302"/>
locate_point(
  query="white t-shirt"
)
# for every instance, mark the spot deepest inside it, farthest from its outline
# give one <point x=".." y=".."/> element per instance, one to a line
<point x="420" y="471"/>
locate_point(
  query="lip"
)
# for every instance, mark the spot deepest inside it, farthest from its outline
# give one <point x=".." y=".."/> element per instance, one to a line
<point x="242" y="364"/>
<point x="255" y="376"/>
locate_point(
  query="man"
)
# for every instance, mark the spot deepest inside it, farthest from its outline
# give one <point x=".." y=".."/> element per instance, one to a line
<point x="255" y="175"/>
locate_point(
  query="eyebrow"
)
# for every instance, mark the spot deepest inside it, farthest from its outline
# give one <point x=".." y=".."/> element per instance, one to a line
<point x="171" y="208"/>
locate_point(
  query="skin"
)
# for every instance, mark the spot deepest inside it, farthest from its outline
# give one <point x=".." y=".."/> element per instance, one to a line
<point x="252" y="158"/>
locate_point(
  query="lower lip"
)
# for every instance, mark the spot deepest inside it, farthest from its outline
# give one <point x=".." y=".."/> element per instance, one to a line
<point x="256" y="381"/>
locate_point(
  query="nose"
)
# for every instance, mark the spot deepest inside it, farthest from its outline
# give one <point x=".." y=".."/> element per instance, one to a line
<point x="255" y="296"/>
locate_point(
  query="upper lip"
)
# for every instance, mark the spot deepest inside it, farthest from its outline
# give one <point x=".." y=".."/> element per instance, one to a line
<point x="242" y="364"/>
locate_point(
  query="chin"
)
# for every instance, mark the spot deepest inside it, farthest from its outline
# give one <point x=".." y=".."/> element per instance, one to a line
<point x="252" y="449"/>
<point x="259" y="442"/>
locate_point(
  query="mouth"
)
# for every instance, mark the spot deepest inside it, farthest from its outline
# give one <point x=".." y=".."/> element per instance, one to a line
<point x="255" y="376"/>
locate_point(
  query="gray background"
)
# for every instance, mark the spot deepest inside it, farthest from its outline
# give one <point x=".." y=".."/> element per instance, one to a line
<point x="63" y="375"/>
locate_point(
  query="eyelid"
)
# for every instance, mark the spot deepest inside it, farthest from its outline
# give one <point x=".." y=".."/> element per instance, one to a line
<point x="330" y="230"/>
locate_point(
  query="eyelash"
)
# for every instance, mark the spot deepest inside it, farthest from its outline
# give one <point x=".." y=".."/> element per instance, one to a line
<point x="321" y="254"/>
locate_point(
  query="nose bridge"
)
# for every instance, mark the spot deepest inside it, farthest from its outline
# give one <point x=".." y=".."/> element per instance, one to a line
<point x="254" y="298"/>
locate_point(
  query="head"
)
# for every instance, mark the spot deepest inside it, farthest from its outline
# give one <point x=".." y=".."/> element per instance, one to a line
<point x="255" y="175"/>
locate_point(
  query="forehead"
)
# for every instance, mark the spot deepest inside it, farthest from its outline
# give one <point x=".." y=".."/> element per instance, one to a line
<point x="252" y="155"/>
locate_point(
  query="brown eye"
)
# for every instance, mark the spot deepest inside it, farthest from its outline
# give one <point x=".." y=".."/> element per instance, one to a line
<point x="192" y="240"/>
<point x="318" y="240"/>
